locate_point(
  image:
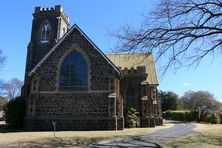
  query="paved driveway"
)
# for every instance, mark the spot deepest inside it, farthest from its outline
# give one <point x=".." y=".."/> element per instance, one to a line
<point x="155" y="139"/>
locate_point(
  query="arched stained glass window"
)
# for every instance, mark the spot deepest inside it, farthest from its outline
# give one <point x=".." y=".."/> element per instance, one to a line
<point x="74" y="72"/>
<point x="45" y="32"/>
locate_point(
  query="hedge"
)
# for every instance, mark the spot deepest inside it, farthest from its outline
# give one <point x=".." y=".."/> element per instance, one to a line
<point x="209" y="117"/>
<point x="180" y="115"/>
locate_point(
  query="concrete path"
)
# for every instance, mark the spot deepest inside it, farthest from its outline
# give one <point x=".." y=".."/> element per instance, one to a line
<point x="154" y="139"/>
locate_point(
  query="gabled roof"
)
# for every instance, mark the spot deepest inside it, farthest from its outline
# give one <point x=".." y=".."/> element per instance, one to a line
<point x="61" y="41"/>
<point x="134" y="60"/>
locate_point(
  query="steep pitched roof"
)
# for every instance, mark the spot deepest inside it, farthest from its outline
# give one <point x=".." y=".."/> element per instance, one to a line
<point x="134" y="60"/>
<point x="61" y="41"/>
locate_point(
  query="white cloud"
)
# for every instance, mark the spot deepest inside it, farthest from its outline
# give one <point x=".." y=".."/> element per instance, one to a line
<point x="185" y="84"/>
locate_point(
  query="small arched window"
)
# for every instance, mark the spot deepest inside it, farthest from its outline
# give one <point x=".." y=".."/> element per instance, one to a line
<point x="45" y="33"/>
<point x="74" y="72"/>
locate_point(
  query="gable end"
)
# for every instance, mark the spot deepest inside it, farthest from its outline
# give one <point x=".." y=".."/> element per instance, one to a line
<point x="62" y="40"/>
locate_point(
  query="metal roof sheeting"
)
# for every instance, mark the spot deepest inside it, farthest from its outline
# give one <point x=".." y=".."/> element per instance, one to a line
<point x="134" y="60"/>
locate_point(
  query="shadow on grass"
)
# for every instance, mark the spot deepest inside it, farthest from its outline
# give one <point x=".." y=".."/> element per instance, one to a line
<point x="56" y="142"/>
<point x="154" y="139"/>
<point x="5" y="129"/>
<point x="79" y="142"/>
<point x="135" y="141"/>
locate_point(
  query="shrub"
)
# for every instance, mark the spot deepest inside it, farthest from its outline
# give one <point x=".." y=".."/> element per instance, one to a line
<point x="131" y="118"/>
<point x="213" y="118"/>
<point x="14" y="112"/>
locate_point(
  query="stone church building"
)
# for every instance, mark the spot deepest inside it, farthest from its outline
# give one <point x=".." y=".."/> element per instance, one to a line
<point x="70" y="81"/>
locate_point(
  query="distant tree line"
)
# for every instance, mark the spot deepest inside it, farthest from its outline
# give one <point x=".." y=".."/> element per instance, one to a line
<point x="191" y="100"/>
<point x="202" y="105"/>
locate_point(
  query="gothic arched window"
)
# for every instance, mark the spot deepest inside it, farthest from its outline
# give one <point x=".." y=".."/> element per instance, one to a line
<point x="45" y="33"/>
<point x="74" y="72"/>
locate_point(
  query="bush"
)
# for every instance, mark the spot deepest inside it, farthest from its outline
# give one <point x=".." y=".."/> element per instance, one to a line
<point x="213" y="118"/>
<point x="131" y="118"/>
<point x="14" y="112"/>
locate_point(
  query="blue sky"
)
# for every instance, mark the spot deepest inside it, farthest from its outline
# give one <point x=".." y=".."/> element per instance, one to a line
<point x="97" y="18"/>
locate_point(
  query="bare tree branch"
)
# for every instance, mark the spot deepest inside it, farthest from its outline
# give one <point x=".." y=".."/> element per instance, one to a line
<point x="2" y="59"/>
<point x="185" y="31"/>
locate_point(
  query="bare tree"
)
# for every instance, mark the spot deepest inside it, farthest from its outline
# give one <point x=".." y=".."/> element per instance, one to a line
<point x="2" y="62"/>
<point x="12" y="88"/>
<point x="3" y="101"/>
<point x="1" y="87"/>
<point x="184" y="31"/>
<point x="200" y="101"/>
<point x="2" y="59"/>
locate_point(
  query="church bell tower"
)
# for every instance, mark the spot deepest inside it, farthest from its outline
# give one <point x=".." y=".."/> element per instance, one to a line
<point x="48" y="26"/>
